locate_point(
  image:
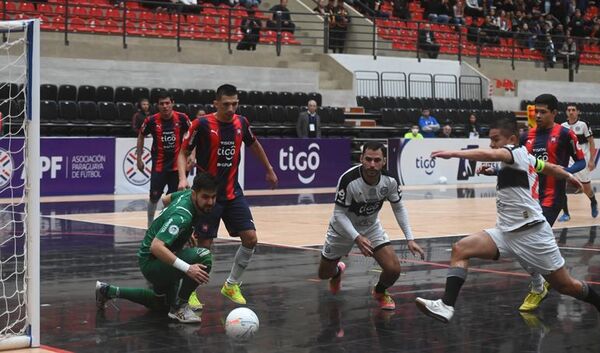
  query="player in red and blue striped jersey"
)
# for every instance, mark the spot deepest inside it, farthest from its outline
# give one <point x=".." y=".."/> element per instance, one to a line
<point x="556" y="144"/>
<point x="167" y="128"/>
<point x="218" y="139"/>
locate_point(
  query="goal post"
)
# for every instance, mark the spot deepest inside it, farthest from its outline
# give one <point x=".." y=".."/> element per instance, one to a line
<point x="20" y="184"/>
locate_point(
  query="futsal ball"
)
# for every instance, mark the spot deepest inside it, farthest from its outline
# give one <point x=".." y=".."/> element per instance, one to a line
<point x="442" y="180"/>
<point x="241" y="324"/>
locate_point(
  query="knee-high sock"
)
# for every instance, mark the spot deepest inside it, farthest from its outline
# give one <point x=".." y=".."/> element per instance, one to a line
<point x="143" y="296"/>
<point x="537" y="283"/>
<point x="151" y="211"/>
<point x="454" y="281"/>
<point x="240" y="262"/>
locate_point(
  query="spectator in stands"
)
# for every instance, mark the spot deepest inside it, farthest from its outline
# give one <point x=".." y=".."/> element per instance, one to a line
<point x="446" y="132"/>
<point x="414" y="133"/>
<point x="250" y="28"/>
<point x="504" y="24"/>
<point x="489" y="33"/>
<point x="577" y="24"/>
<point x="322" y="8"/>
<point x="558" y="35"/>
<point x="189" y="6"/>
<point x="568" y="53"/>
<point x="199" y="113"/>
<point x="559" y="11"/>
<point x="547" y="47"/>
<point x="525" y="37"/>
<point x="400" y="9"/>
<point x="472" y="129"/>
<point x="428" y="124"/>
<point x="426" y="42"/>
<point x="309" y="122"/>
<point x="458" y="11"/>
<point x="338" y="27"/>
<point x="143" y="111"/>
<point x="595" y="33"/>
<point x="281" y="20"/>
<point x="438" y="11"/>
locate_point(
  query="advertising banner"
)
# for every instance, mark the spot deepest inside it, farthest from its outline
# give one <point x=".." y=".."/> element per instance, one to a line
<point x="410" y="161"/>
<point x="299" y="163"/>
<point x="69" y="166"/>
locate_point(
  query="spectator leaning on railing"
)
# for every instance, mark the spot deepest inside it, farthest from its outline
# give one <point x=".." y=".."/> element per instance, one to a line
<point x="281" y="17"/>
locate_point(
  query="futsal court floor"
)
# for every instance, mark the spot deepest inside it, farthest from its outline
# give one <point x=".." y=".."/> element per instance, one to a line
<point x="96" y="238"/>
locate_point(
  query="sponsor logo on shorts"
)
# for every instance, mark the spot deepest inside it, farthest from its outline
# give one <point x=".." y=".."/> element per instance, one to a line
<point x="131" y="171"/>
<point x="6" y="168"/>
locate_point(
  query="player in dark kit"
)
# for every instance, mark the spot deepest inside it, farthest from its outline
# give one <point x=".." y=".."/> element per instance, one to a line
<point x="218" y="139"/>
<point x="167" y="128"/>
<point x="556" y="144"/>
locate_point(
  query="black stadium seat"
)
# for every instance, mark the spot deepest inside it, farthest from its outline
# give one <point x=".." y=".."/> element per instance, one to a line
<point x="8" y="90"/>
<point x="286" y="98"/>
<point x="107" y="112"/>
<point x="300" y="99"/>
<point x="207" y="96"/>
<point x="155" y="93"/>
<point x="255" y="98"/>
<point x="86" y="93"/>
<point x="48" y="111"/>
<point x="191" y="96"/>
<point x="67" y="93"/>
<point x="126" y="111"/>
<point x="105" y="94"/>
<point x="48" y="92"/>
<point x="278" y="114"/>
<point x="176" y="95"/>
<point x="68" y="111"/>
<point x="270" y="98"/>
<point x="123" y="94"/>
<point x="88" y="112"/>
<point x="292" y="114"/>
<point x="182" y="108"/>
<point x="316" y="97"/>
<point x="193" y="109"/>
<point x="263" y="115"/>
<point x="141" y="92"/>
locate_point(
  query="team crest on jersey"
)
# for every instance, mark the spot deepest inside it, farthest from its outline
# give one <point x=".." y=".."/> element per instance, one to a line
<point x="131" y="171"/>
<point x="6" y="168"/>
<point x="384" y="190"/>
<point x="238" y="131"/>
<point x="173" y="229"/>
<point x="553" y="139"/>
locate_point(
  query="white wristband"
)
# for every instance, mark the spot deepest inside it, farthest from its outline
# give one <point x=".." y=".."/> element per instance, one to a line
<point x="181" y="265"/>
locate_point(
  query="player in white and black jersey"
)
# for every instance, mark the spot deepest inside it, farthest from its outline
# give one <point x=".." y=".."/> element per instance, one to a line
<point x="585" y="137"/>
<point x="361" y="192"/>
<point x="521" y="228"/>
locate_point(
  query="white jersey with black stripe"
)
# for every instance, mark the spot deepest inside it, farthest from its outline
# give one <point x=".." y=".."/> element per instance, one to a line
<point x="517" y="191"/>
<point x="583" y="131"/>
<point x="363" y="201"/>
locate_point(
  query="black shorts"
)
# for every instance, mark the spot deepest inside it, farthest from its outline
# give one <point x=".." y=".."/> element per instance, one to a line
<point x="235" y="214"/>
<point x="551" y="214"/>
<point x="158" y="181"/>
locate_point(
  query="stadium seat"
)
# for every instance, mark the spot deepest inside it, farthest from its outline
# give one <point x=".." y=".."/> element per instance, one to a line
<point x="270" y="98"/>
<point x="88" y="112"/>
<point x="8" y="90"/>
<point x="48" y="111"/>
<point x="67" y="111"/>
<point x="155" y="93"/>
<point x="316" y="97"/>
<point x="123" y="94"/>
<point x="255" y="98"/>
<point x="337" y="116"/>
<point x="141" y="92"/>
<point x="209" y="108"/>
<point x="105" y="94"/>
<point x="286" y="98"/>
<point x="323" y="112"/>
<point x="242" y="96"/>
<point x="48" y="92"/>
<point x="300" y="99"/>
<point x="125" y="112"/>
<point x="182" y="108"/>
<point x="86" y="93"/>
<point x="191" y="95"/>
<point x="107" y="112"/>
<point x="248" y="111"/>
<point x="207" y="96"/>
<point x="176" y="95"/>
<point x="67" y="93"/>
<point x="263" y="115"/>
<point x="193" y="109"/>
<point x="278" y="114"/>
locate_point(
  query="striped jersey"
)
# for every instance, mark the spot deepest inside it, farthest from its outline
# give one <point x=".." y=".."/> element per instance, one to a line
<point x="167" y="135"/>
<point x="517" y="191"/>
<point x="363" y="201"/>
<point x="583" y="131"/>
<point x="555" y="145"/>
<point x="218" y="147"/>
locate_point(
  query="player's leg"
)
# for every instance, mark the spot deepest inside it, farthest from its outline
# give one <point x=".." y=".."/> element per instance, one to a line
<point x="585" y="178"/>
<point x="239" y="222"/>
<point x="172" y="181"/>
<point x="331" y="267"/>
<point x="565" y="284"/>
<point x="144" y="296"/>
<point x="192" y="255"/>
<point x="488" y="244"/>
<point x="390" y="265"/>
<point x="566" y="216"/>
<point x="157" y="185"/>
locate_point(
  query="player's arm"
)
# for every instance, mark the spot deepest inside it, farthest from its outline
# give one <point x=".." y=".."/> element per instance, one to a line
<point x="166" y="200"/>
<point x="557" y="172"/>
<point x="184" y="153"/>
<point x="479" y="154"/>
<point x="401" y="215"/>
<point x="138" y="150"/>
<point x="591" y="163"/>
<point x="259" y="152"/>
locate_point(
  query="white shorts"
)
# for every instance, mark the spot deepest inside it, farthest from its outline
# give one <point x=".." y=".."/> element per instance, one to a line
<point x="584" y="175"/>
<point x="534" y="247"/>
<point x="337" y="245"/>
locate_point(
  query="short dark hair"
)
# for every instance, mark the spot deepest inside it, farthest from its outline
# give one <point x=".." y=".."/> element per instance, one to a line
<point x="573" y="105"/>
<point x="548" y="100"/>
<point x="205" y="181"/>
<point x="507" y="127"/>
<point x="164" y="95"/>
<point x="226" y="90"/>
<point x="374" y="146"/>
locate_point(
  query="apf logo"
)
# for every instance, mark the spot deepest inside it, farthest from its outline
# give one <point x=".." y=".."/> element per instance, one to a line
<point x="301" y="161"/>
<point x="131" y="171"/>
<point x="425" y="163"/>
<point x="6" y="168"/>
<point x="466" y="168"/>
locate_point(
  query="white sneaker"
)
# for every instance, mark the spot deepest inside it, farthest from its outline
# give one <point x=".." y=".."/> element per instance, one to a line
<point x="435" y="309"/>
<point x="184" y="314"/>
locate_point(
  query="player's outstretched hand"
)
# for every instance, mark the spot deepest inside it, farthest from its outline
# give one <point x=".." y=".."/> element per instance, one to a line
<point x="575" y="183"/>
<point x="183" y="184"/>
<point x="197" y="273"/>
<point x="416" y="249"/>
<point x="486" y="170"/>
<point x="140" y="164"/>
<point x="441" y="154"/>
<point x="272" y="178"/>
<point x="364" y="245"/>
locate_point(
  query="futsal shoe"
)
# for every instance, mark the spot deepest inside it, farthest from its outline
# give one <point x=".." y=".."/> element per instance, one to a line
<point x="195" y="303"/>
<point x="184" y="314"/>
<point x="101" y="295"/>
<point x="532" y="300"/>
<point x="565" y="217"/>
<point x="233" y="292"/>
<point x="435" y="309"/>
<point x="594" y="210"/>
<point x="384" y="300"/>
<point x="335" y="283"/>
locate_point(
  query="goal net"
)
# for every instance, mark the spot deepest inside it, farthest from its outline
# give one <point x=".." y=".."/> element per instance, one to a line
<point x="19" y="184"/>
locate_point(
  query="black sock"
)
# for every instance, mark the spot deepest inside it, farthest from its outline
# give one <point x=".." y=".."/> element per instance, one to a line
<point x="380" y="287"/>
<point x="590" y="296"/>
<point x="566" y="207"/>
<point x="454" y="281"/>
<point x="593" y="200"/>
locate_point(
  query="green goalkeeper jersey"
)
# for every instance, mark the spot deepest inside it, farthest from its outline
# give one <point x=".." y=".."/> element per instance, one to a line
<point x="173" y="226"/>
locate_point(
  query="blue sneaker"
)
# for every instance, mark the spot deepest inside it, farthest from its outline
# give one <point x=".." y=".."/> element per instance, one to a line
<point x="595" y="210"/>
<point x="565" y="217"/>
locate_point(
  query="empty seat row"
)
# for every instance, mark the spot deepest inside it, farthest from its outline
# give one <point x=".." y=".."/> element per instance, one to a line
<point x="185" y="96"/>
<point x="562" y="106"/>
<point x="375" y="103"/>
<point x="405" y="118"/>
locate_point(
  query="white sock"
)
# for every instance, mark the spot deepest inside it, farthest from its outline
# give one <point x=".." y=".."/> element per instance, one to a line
<point x="537" y="283"/>
<point x="240" y="262"/>
<point x="151" y="210"/>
